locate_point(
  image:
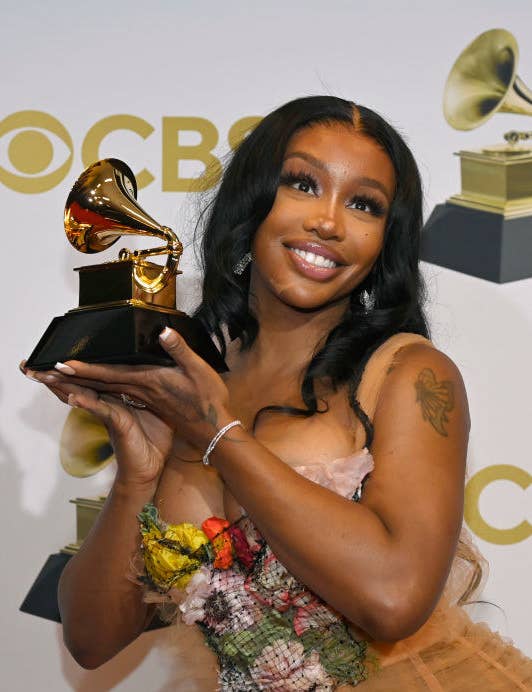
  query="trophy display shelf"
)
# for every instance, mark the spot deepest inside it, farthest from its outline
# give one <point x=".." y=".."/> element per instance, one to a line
<point x="117" y="321"/>
<point x="41" y="599"/>
<point x="486" y="230"/>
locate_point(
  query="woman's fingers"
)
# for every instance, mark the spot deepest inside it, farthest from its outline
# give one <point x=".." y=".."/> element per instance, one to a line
<point x="90" y="401"/>
<point x="67" y="389"/>
<point x="54" y="379"/>
<point x="104" y="374"/>
<point x="178" y="349"/>
<point x="116" y="417"/>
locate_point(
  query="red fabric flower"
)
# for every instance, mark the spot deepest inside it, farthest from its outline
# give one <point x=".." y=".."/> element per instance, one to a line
<point x="241" y="546"/>
<point x="216" y="531"/>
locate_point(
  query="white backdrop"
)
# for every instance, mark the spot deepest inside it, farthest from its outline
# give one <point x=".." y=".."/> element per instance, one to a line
<point x="223" y="61"/>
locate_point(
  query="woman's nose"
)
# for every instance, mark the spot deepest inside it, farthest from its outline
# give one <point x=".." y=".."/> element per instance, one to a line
<point x="325" y="223"/>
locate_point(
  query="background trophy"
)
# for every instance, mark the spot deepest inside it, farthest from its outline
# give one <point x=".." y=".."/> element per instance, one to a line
<point x="486" y="230"/>
<point x="123" y="304"/>
<point x="85" y="449"/>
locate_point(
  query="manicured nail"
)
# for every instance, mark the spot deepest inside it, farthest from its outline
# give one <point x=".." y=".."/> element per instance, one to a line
<point x="50" y="378"/>
<point x="65" y="369"/>
<point x="165" y="334"/>
<point x="72" y="401"/>
<point x="30" y="374"/>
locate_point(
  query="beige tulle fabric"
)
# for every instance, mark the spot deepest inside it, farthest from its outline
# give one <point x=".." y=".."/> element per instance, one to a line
<point x="450" y="653"/>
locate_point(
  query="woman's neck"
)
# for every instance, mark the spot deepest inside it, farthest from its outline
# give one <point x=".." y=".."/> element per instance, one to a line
<point x="287" y="337"/>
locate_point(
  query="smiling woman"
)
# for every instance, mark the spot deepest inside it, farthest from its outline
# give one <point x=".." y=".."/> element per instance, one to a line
<point x="316" y="519"/>
<point x="327" y="221"/>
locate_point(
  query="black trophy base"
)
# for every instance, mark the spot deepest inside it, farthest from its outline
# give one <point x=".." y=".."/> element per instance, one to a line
<point x="42" y="597"/>
<point x="125" y="334"/>
<point x="478" y="243"/>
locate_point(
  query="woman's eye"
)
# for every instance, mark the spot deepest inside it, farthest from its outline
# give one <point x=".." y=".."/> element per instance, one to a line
<point x="361" y="205"/>
<point x="299" y="181"/>
<point x="302" y="186"/>
<point x="368" y="205"/>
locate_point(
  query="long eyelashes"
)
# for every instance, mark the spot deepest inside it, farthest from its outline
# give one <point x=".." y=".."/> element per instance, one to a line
<point x="304" y="182"/>
<point x="301" y="178"/>
<point x="365" y="202"/>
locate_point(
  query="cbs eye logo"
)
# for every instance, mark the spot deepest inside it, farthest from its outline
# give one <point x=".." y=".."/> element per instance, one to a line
<point x="31" y="150"/>
<point x="37" y="150"/>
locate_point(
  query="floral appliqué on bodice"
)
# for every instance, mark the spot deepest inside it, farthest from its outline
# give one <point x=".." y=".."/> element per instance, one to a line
<point x="268" y="630"/>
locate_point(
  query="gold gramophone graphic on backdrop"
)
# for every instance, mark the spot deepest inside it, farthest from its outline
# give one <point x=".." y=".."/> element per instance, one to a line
<point x="486" y="229"/>
<point x="123" y="304"/>
<point x="84" y="450"/>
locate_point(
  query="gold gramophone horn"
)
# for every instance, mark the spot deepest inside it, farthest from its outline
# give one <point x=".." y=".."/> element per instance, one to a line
<point x="84" y="448"/>
<point x="102" y="206"/>
<point x="483" y="81"/>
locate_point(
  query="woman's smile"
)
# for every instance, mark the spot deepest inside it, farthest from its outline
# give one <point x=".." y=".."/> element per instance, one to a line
<point x="313" y="264"/>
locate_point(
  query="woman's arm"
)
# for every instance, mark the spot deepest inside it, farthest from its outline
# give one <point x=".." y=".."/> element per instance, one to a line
<point x="101" y="609"/>
<point x="382" y="562"/>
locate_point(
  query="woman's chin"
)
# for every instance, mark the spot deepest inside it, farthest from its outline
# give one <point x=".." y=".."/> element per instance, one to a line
<point x="306" y="303"/>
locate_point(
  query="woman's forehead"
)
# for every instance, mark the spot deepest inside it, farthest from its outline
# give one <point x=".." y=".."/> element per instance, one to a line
<point x="342" y="144"/>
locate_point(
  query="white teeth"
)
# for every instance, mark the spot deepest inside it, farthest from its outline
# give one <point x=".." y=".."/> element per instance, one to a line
<point x="316" y="260"/>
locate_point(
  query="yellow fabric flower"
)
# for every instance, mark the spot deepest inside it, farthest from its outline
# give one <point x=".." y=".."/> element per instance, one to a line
<point x="188" y="535"/>
<point x="168" y="558"/>
<point x="153" y="534"/>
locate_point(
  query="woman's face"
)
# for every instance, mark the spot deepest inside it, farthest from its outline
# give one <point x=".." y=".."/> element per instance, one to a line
<point x="326" y="227"/>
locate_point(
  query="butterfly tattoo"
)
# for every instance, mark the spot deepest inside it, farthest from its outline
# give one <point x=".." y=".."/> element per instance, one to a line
<point x="436" y="399"/>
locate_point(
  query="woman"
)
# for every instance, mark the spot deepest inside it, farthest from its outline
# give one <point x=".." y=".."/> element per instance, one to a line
<point x="313" y="290"/>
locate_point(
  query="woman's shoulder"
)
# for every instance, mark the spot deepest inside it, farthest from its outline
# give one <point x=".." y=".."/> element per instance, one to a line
<point x="421" y="377"/>
<point x="409" y="360"/>
<point x="406" y="352"/>
<point x="406" y="349"/>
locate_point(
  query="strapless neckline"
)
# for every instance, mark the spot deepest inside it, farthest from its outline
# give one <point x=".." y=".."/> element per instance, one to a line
<point x="343" y="475"/>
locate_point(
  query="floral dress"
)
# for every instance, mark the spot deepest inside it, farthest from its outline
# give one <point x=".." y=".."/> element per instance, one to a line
<point x="268" y="630"/>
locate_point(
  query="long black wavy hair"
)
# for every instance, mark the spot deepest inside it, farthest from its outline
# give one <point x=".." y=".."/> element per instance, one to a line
<point x="244" y="199"/>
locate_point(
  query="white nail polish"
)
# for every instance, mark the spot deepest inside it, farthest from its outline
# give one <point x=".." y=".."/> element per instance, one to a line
<point x="65" y="369"/>
<point x="165" y="333"/>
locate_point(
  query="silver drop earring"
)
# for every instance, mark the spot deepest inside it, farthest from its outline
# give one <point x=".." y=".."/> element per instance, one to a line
<point x="367" y="300"/>
<point x="242" y="263"/>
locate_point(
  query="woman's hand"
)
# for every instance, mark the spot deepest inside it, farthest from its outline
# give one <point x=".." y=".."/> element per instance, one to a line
<point x="141" y="441"/>
<point x="189" y="401"/>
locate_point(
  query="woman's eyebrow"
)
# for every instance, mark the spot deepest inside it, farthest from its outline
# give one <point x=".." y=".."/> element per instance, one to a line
<point x="307" y="157"/>
<point x="363" y="180"/>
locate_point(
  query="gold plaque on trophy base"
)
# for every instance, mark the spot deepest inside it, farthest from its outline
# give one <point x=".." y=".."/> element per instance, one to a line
<point x="497" y="180"/>
<point x="113" y="283"/>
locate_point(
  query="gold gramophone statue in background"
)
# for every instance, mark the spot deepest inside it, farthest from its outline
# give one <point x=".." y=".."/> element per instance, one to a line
<point x="84" y="449"/>
<point x="126" y="303"/>
<point x="486" y="229"/>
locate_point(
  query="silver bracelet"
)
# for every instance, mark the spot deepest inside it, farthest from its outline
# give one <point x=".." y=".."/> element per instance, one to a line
<point x="216" y="439"/>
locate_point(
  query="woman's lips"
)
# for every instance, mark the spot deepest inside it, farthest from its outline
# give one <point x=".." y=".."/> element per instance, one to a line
<point x="315" y="248"/>
<point x="311" y="270"/>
